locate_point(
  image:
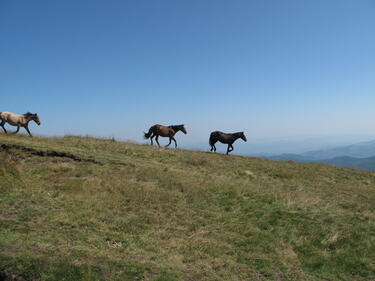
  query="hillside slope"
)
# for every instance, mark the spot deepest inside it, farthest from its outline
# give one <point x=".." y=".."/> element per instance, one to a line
<point x="86" y="209"/>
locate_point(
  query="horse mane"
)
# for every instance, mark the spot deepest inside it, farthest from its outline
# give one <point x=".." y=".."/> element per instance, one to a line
<point x="27" y="114"/>
<point x="175" y="126"/>
<point x="237" y="134"/>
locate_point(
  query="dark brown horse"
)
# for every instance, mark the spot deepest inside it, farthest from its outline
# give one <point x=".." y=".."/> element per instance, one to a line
<point x="164" y="131"/>
<point x="225" y="138"/>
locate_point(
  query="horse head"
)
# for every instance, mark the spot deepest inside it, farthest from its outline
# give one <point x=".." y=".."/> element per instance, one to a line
<point x="182" y="128"/>
<point x="242" y="136"/>
<point x="34" y="117"/>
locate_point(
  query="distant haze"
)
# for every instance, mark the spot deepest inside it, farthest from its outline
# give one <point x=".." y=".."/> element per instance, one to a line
<point x="359" y="156"/>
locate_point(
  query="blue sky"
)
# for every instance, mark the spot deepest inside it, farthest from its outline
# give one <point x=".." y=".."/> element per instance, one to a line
<point x="275" y="69"/>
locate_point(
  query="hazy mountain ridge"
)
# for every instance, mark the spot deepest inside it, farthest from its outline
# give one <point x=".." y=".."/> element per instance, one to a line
<point x="352" y="162"/>
<point x="360" y="156"/>
<point x="358" y="150"/>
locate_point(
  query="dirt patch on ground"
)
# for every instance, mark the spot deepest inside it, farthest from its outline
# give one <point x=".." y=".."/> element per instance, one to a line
<point x="47" y="153"/>
<point x="7" y="276"/>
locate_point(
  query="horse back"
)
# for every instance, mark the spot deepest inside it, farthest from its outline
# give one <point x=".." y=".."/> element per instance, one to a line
<point x="164" y="131"/>
<point x="221" y="137"/>
<point x="12" y="118"/>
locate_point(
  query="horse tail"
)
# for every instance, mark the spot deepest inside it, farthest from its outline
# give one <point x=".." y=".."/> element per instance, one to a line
<point x="212" y="136"/>
<point x="148" y="135"/>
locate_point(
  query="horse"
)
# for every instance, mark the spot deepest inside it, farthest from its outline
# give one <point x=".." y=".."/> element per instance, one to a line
<point x="164" y="131"/>
<point x="19" y="120"/>
<point x="225" y="138"/>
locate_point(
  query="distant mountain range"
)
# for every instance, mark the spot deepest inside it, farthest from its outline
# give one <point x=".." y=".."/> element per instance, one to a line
<point x="360" y="156"/>
<point x="359" y="150"/>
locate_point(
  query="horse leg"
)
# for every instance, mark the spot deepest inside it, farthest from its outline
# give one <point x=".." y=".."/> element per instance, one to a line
<point x="152" y="143"/>
<point x="213" y="147"/>
<point x="228" y="149"/>
<point x="212" y="143"/>
<point x="27" y="129"/>
<point x="157" y="140"/>
<point x="18" y="128"/>
<point x="2" y="125"/>
<point x="231" y="148"/>
<point x="170" y="140"/>
<point x="175" y="143"/>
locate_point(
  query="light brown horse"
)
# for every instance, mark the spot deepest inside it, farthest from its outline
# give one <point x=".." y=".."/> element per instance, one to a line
<point x="164" y="131"/>
<point x="19" y="120"/>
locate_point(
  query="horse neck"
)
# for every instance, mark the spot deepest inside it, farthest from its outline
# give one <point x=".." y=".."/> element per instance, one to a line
<point x="27" y="119"/>
<point x="175" y="128"/>
<point x="236" y="135"/>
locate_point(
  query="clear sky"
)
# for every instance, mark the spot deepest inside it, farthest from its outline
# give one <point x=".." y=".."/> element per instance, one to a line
<point x="274" y="69"/>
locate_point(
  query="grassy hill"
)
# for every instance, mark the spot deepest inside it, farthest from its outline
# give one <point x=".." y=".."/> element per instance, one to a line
<point x="87" y="209"/>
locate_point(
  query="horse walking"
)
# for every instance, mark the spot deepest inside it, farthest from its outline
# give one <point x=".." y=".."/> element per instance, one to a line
<point x="18" y="120"/>
<point x="225" y="138"/>
<point x="164" y="131"/>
